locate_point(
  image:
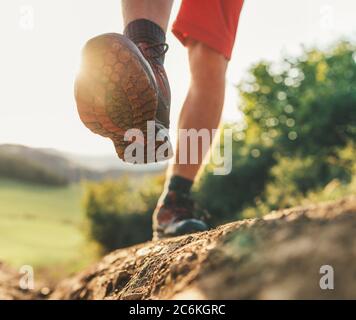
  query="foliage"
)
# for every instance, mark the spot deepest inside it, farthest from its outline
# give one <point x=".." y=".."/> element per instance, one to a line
<point x="224" y="195"/>
<point x="300" y="125"/>
<point x="119" y="213"/>
<point x="303" y="105"/>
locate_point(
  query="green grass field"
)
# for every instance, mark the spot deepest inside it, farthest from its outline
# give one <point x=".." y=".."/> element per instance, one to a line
<point x="42" y="226"/>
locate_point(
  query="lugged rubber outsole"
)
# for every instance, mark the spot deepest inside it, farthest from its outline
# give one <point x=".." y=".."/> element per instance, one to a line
<point x="115" y="90"/>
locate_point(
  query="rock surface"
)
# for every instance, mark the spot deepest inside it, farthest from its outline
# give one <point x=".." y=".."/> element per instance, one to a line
<point x="276" y="257"/>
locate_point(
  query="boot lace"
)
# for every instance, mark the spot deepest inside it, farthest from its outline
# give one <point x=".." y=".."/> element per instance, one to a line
<point x="156" y="50"/>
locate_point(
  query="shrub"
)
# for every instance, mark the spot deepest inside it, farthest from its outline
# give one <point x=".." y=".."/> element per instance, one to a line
<point x="224" y="195"/>
<point x="119" y="213"/>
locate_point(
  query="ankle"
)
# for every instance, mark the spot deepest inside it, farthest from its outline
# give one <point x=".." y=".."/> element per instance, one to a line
<point x="180" y="184"/>
<point x="177" y="187"/>
<point x="148" y="33"/>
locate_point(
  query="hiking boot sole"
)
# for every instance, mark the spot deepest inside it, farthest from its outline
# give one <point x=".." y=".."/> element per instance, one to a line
<point x="115" y="90"/>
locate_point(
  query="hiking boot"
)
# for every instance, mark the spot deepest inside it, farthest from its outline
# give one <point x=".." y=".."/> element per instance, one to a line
<point x="120" y="87"/>
<point x="177" y="215"/>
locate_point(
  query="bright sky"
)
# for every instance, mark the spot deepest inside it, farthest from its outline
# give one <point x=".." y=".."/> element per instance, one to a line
<point x="41" y="42"/>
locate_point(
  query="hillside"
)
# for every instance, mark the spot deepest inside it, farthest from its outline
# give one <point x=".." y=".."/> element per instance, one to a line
<point x="27" y="160"/>
<point x="20" y="162"/>
<point x="279" y="256"/>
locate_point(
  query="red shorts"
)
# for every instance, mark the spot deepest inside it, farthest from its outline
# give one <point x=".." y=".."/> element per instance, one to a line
<point x="213" y="22"/>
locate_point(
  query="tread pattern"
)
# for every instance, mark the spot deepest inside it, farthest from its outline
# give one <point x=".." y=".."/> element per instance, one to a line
<point x="113" y="91"/>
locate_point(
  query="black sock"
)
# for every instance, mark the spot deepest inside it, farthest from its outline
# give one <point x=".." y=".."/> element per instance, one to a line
<point x="143" y="30"/>
<point x="180" y="185"/>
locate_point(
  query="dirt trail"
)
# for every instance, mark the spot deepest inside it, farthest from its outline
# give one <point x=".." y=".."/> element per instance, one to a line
<point x="278" y="256"/>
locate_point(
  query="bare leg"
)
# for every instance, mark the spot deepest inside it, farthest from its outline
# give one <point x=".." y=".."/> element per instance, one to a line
<point x="157" y="11"/>
<point x="204" y="102"/>
<point x="174" y="214"/>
